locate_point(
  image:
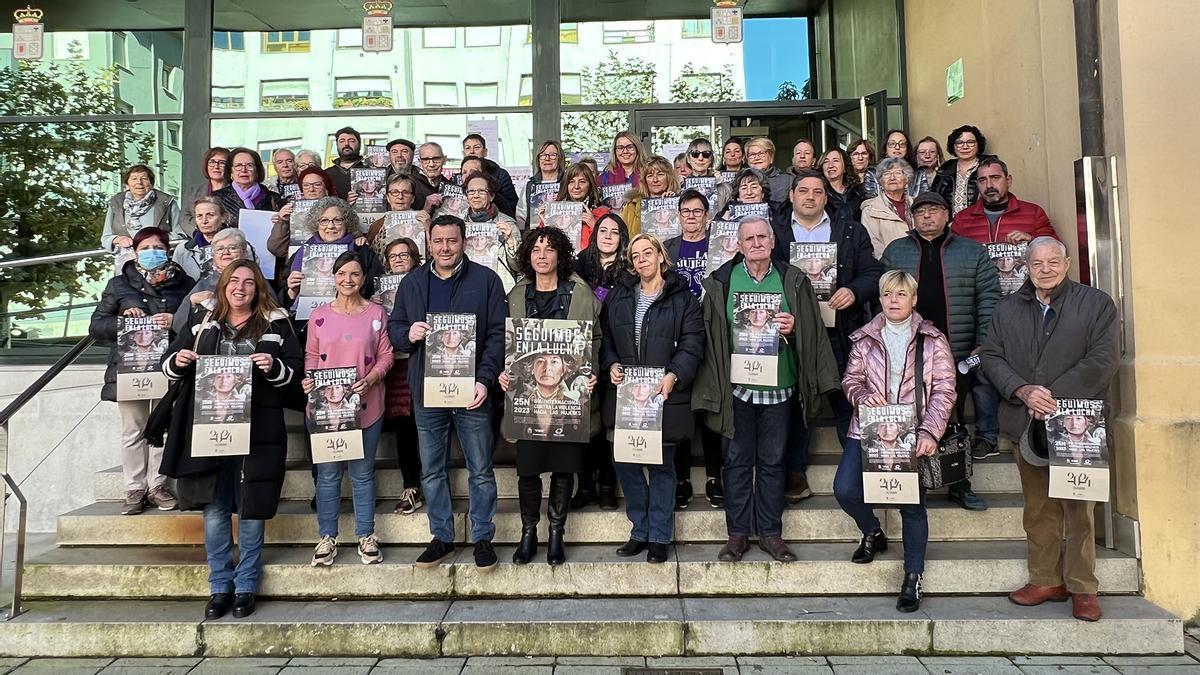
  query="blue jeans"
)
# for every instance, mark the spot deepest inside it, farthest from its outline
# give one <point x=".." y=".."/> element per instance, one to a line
<point x="474" y="428"/>
<point x="362" y="488"/>
<point x="650" y="506"/>
<point x="754" y="468"/>
<point x="223" y="577"/>
<point x="986" y="400"/>
<point x="848" y="488"/>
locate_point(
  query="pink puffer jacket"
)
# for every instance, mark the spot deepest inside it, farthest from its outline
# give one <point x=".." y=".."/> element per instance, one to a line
<point x="866" y="373"/>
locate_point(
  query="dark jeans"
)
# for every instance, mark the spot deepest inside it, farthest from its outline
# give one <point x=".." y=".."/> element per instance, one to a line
<point x="650" y="503"/>
<point x="712" y="444"/>
<point x="754" y="469"/>
<point x="474" y="428"/>
<point x="848" y="488"/>
<point x="408" y="448"/>
<point x="986" y="400"/>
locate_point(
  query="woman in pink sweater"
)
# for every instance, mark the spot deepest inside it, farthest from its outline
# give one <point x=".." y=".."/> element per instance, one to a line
<point x="350" y="332"/>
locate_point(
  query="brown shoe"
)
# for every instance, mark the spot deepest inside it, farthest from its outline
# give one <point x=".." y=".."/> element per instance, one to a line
<point x="778" y="550"/>
<point x="1030" y="595"/>
<point x="1085" y="606"/>
<point x="797" y="487"/>
<point x="135" y="503"/>
<point x="734" y="549"/>
<point x="162" y="499"/>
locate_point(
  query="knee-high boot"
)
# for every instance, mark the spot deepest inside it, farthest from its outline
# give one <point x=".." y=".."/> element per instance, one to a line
<point x="556" y="511"/>
<point x="529" y="493"/>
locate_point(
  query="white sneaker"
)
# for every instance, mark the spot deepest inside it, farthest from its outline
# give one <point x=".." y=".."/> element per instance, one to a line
<point x="368" y="550"/>
<point x="325" y="552"/>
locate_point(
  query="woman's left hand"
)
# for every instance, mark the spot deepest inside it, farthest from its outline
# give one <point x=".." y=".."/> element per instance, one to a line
<point x="505" y="228"/>
<point x="667" y="385"/>
<point x="926" y="446"/>
<point x="263" y="361"/>
<point x="362" y="385"/>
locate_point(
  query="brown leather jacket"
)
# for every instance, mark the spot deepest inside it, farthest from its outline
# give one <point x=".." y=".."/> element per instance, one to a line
<point x="866" y="373"/>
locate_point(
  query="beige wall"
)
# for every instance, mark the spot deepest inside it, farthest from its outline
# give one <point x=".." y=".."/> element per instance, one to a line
<point x="1021" y="90"/>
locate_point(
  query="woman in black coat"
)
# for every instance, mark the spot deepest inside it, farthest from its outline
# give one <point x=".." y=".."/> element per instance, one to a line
<point x="246" y="322"/>
<point x="653" y="321"/>
<point x="244" y="189"/>
<point x="149" y="287"/>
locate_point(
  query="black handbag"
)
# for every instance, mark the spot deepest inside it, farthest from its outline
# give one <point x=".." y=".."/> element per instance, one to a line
<point x="952" y="461"/>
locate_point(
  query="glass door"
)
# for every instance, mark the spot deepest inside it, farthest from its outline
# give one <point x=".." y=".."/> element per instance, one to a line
<point x="668" y="133"/>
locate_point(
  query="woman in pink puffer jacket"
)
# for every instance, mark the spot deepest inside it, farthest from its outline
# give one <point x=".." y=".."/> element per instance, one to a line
<point x="880" y="372"/>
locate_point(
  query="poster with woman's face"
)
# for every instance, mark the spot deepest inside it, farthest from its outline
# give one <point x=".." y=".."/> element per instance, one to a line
<point x="660" y="217"/>
<point x="889" y="439"/>
<point x="1077" y="437"/>
<point x="549" y="363"/>
<point x="818" y="262"/>
<point x="141" y="343"/>
<point x="221" y="409"/>
<point x="1010" y="265"/>
<point x="755" y="348"/>
<point x="722" y="243"/>
<point x="637" y="432"/>
<point x="450" y="349"/>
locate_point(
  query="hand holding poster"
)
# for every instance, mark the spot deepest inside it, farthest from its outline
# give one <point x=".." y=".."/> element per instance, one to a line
<point x="221" y="411"/>
<point x="385" y="290"/>
<point x="454" y="202"/>
<point x="367" y="184"/>
<point x="483" y="244"/>
<point x="566" y="216"/>
<point x="1078" y="448"/>
<point x="637" y="434"/>
<point x="755" y="358"/>
<point x="1010" y="264"/>
<point x="889" y="438"/>
<point x="660" y="217"/>
<point x="818" y="261"/>
<point x="722" y="243"/>
<point x="548" y="361"/>
<point x="317" y="287"/>
<point x="333" y="416"/>
<point x="141" y="342"/>
<point x="449" y="360"/>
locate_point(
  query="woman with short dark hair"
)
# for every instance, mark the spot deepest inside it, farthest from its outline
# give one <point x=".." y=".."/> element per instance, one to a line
<point x="955" y="180"/>
<point x="245" y="175"/>
<point x="862" y="165"/>
<point x="549" y="289"/>
<point x="139" y="205"/>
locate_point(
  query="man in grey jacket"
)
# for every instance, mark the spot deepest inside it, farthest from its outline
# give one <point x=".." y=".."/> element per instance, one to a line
<point x="1054" y="338"/>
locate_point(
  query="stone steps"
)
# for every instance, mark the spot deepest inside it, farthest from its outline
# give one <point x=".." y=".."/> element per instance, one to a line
<point x="591" y="570"/>
<point x="995" y="475"/>
<point x="815" y="519"/>
<point x="593" y="626"/>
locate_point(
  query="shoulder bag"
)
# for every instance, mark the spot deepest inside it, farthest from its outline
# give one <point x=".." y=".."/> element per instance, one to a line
<point x="952" y="461"/>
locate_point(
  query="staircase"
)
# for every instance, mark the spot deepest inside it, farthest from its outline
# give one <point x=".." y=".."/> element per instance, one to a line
<point x="135" y="586"/>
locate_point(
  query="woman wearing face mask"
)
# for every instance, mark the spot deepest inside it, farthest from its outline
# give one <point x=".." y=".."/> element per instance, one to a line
<point x="245" y="322"/>
<point x="150" y="285"/>
<point x="548" y="289"/>
<point x="213" y="166"/>
<point x="733" y="155"/>
<point x="350" y="332"/>
<point x="195" y="254"/>
<point x="658" y="180"/>
<point x="139" y="205"/>
<point x="862" y="165"/>
<point x="841" y="185"/>
<point x="579" y="185"/>
<point x="245" y="174"/>
<point x="699" y="158"/>
<point x="402" y="257"/>
<point x="549" y="166"/>
<point x="228" y="245"/>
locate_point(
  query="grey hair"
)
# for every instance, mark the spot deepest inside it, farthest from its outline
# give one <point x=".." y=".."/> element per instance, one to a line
<point x="889" y="163"/>
<point x="431" y="144"/>
<point x="1043" y="240"/>
<point x="239" y="239"/>
<point x="347" y="213"/>
<point x="755" y="219"/>
<point x="311" y="153"/>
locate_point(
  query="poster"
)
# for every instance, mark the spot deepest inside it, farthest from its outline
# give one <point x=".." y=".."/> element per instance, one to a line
<point x="290" y="191"/>
<point x="483" y="244"/>
<point x="549" y="361"/>
<point x="386" y="286"/>
<point x="742" y="211"/>
<point x="705" y="185"/>
<point x="257" y="227"/>
<point x="660" y="217"/>
<point x="333" y="416"/>
<point x="722" y="243"/>
<point x="818" y="261"/>
<point x="725" y="176"/>
<point x="1078" y="444"/>
<point x="368" y="184"/>
<point x="376" y="157"/>
<point x="317" y="287"/>
<point x="613" y="196"/>
<point x="397" y="225"/>
<point x="141" y="344"/>
<point x="755" y="357"/>
<point x="568" y="217"/>
<point x="454" y="202"/>
<point x="889" y="439"/>
<point x="298" y="227"/>
<point x="1010" y="265"/>
<point x="221" y="410"/>
<point x="541" y="193"/>
<point x="450" y="360"/>
<point x="637" y="434"/>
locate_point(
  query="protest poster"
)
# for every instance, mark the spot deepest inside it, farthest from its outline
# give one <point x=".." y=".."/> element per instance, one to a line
<point x="889" y="439"/>
<point x="386" y="286"/>
<point x="376" y="157"/>
<point x="141" y="343"/>
<point x="613" y="196"/>
<point x="722" y="243"/>
<point x="221" y="410"/>
<point x="1010" y="265"/>
<point x="333" y="416"/>
<point x="755" y="357"/>
<point x="454" y="201"/>
<point x="637" y="433"/>
<point x="1077" y="438"/>
<point x="549" y="363"/>
<point x="450" y="348"/>
<point x="317" y="268"/>
<point x="742" y="211"/>
<point x="367" y="186"/>
<point x="566" y="216"/>
<point x="660" y="217"/>
<point x="818" y="261"/>
<point x="397" y="225"/>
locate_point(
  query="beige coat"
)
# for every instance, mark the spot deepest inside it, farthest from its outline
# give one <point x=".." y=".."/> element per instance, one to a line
<point x="883" y="223"/>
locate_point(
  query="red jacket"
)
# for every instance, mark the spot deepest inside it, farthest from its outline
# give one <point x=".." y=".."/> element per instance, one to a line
<point x="1020" y="216"/>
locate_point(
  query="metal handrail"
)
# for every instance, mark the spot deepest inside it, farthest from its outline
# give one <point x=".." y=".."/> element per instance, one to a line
<point x="63" y="257"/>
<point x="15" y="609"/>
<point x="33" y="389"/>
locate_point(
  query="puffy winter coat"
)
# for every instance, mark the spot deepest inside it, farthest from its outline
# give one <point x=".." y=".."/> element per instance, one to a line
<point x="1018" y="217"/>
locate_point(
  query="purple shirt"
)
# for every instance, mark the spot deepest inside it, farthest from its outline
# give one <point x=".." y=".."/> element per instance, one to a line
<point x="693" y="263"/>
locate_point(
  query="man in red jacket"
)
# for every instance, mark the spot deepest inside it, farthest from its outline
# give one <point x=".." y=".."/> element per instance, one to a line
<point x="998" y="216"/>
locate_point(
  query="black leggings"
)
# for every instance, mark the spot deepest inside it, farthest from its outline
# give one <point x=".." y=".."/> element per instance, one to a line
<point x="408" y="448"/>
<point x="711" y="441"/>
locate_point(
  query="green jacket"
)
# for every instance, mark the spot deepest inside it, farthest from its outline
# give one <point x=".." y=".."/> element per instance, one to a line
<point x="817" y="371"/>
<point x="970" y="279"/>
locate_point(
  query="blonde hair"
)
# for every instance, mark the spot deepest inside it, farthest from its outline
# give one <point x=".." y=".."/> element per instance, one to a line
<point x="761" y="142"/>
<point x="897" y="279"/>
<point x="656" y="244"/>
<point x="638" y="162"/>
<point x="659" y="163"/>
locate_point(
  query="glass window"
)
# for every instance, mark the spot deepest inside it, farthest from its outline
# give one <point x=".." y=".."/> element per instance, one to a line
<point x="627" y="32"/>
<point x="439" y="37"/>
<point x="173" y="135"/>
<point x="229" y="40"/>
<point x="569" y="33"/>
<point x="451" y="145"/>
<point x="284" y="95"/>
<point x="228" y="98"/>
<point x="697" y="28"/>
<point x="526" y="97"/>
<point x="441" y="94"/>
<point x="569" y="89"/>
<point x="363" y="92"/>
<point x="287" y="41"/>
<point x="482" y="94"/>
<point x="71" y="46"/>
<point x="482" y="36"/>
<point x="349" y="37"/>
<point x="120" y="51"/>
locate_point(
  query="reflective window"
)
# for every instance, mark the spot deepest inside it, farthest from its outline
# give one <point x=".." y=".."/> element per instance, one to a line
<point x="628" y="32"/>
<point x="482" y="94"/>
<point x="228" y="98"/>
<point x="229" y="40"/>
<point x="441" y="94"/>
<point x="439" y="37"/>
<point x="697" y="28"/>
<point x="284" y="95"/>
<point x="287" y="41"/>
<point x="349" y="37"/>
<point x="363" y="92"/>
<point x="482" y="36"/>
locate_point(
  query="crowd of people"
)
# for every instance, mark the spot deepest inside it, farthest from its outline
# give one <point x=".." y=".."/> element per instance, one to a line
<point x="910" y="229"/>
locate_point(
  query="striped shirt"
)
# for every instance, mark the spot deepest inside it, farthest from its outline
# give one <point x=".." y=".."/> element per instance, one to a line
<point x="639" y="312"/>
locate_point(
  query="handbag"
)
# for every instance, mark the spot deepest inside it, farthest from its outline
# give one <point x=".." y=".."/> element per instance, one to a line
<point x="952" y="461"/>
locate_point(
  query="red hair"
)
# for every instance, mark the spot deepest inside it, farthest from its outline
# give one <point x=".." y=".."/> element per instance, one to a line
<point x="312" y="170"/>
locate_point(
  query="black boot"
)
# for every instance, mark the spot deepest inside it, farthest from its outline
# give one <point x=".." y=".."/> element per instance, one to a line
<point x="910" y="593"/>
<point x="529" y="493"/>
<point x="556" y="513"/>
<point x="587" y="491"/>
<point x="871" y="545"/>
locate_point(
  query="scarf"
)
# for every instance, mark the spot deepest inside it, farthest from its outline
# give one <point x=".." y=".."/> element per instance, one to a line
<point x="250" y="195"/>
<point x="161" y="275"/>
<point x="136" y="208"/>
<point x="482" y="216"/>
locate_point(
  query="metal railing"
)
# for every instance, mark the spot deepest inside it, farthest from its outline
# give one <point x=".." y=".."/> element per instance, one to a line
<point x="10" y="485"/>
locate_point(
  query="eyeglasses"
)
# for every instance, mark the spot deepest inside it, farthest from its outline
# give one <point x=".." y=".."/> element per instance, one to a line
<point x="243" y="166"/>
<point x="965" y="142"/>
<point x="552" y="156"/>
<point x="433" y="159"/>
<point x="895" y="173"/>
<point x="312" y="186"/>
<point x="691" y="213"/>
<point x="218" y="162"/>
<point x="477" y="192"/>
<point x="897" y="144"/>
<point x="326" y="222"/>
<point x="625" y="147"/>
<point x="218" y="250"/>
<point x="757" y="154"/>
<point x="697" y="154"/>
<point x="399" y="256"/>
<point x="399" y="193"/>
